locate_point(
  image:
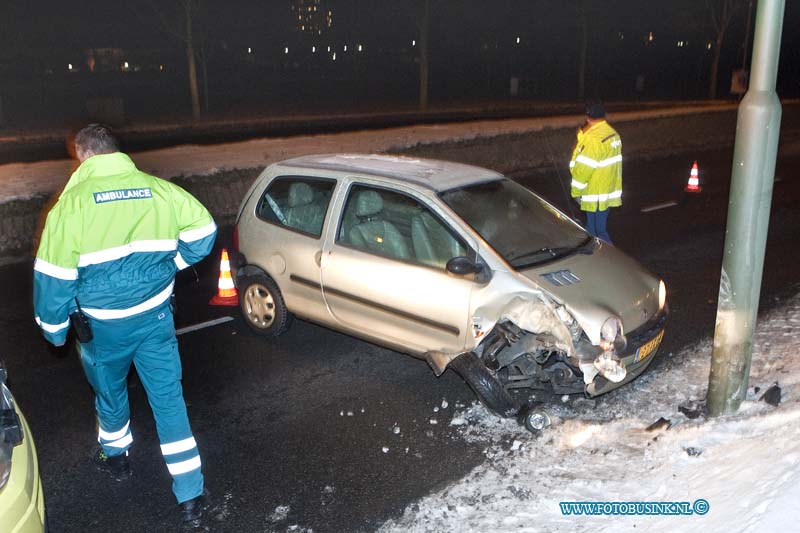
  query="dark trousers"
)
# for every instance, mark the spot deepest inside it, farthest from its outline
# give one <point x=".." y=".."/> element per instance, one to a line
<point x="148" y="341"/>
<point x="596" y="222"/>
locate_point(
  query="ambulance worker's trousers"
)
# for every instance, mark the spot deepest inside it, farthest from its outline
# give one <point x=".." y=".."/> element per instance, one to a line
<point x="148" y="340"/>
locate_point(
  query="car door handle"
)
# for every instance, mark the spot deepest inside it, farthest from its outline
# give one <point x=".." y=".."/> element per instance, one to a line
<point x="318" y="258"/>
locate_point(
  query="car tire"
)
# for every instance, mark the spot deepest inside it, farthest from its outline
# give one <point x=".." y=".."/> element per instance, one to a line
<point x="489" y="390"/>
<point x="262" y="306"/>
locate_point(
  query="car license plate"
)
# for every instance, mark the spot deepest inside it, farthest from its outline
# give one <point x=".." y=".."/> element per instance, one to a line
<point x="648" y="347"/>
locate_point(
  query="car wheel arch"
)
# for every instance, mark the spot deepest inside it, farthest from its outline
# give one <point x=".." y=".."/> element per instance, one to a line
<point x="261" y="303"/>
<point x="250" y="270"/>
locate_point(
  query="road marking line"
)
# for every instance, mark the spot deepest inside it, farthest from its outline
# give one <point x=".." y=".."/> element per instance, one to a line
<point x="202" y="325"/>
<point x="658" y="206"/>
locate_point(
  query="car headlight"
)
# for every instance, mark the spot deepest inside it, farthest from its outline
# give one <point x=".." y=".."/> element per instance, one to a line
<point x="611" y="334"/>
<point x="662" y="295"/>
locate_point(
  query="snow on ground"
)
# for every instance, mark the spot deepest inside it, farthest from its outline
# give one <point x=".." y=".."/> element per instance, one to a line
<point x="746" y="466"/>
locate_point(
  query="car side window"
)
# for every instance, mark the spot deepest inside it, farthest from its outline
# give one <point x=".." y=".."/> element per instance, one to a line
<point x="298" y="203"/>
<point x="395" y="225"/>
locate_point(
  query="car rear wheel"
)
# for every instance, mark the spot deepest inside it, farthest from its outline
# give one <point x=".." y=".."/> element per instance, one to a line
<point x="262" y="306"/>
<point x="489" y="390"/>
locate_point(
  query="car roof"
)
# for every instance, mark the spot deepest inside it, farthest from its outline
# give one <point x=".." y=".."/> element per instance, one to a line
<point x="431" y="173"/>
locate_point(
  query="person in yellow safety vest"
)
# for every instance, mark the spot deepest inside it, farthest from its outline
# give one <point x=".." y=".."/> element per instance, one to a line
<point x="596" y="169"/>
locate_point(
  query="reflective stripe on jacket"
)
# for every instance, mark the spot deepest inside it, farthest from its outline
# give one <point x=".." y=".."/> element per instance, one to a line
<point x="596" y="168"/>
<point x="115" y="239"/>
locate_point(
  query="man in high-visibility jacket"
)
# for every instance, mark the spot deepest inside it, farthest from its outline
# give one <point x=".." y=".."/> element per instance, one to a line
<point x="110" y="248"/>
<point x="596" y="169"/>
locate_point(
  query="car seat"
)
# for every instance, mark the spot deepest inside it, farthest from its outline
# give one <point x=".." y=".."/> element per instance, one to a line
<point x="433" y="244"/>
<point x="302" y="212"/>
<point x="372" y="232"/>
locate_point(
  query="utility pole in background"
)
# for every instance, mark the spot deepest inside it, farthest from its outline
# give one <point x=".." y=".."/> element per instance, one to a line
<point x="754" y="156"/>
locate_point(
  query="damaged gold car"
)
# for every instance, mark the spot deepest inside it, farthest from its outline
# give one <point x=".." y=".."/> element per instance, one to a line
<point x="451" y="263"/>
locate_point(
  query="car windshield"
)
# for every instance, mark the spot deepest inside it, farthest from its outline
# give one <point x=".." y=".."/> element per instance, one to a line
<point x="523" y="228"/>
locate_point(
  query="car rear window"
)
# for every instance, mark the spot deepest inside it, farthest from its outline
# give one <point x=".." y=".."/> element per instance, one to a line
<point x="298" y="203"/>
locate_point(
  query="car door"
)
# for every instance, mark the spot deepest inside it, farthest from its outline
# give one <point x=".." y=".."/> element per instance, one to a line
<point x="384" y="274"/>
<point x="288" y="241"/>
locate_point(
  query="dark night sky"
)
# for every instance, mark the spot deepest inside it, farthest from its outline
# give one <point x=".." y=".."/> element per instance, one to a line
<point x="473" y="51"/>
<point x="49" y="23"/>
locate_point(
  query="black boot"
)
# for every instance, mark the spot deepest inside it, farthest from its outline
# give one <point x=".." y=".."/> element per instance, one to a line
<point x="116" y="466"/>
<point x="192" y="510"/>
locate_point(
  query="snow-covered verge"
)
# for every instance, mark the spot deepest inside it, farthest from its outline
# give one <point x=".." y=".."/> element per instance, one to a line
<point x="746" y="466"/>
<point x="26" y="180"/>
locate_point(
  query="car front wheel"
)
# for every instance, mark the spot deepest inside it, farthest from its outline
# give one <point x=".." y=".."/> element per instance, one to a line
<point x="489" y="390"/>
<point x="262" y="306"/>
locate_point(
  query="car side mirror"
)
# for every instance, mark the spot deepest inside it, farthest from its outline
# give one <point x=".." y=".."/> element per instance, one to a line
<point x="462" y="266"/>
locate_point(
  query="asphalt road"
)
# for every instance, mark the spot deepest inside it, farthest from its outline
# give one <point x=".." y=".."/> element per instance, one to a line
<point x="299" y="430"/>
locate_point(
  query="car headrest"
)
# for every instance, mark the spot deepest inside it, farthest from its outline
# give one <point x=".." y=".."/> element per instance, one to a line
<point x="300" y="194"/>
<point x="368" y="203"/>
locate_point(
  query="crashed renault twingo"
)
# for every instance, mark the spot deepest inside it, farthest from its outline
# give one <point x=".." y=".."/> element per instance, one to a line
<point x="451" y="263"/>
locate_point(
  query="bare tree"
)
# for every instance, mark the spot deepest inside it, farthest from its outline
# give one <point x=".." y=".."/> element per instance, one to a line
<point x="205" y="44"/>
<point x="180" y="23"/>
<point x="584" y="48"/>
<point x="591" y="25"/>
<point x="424" y="65"/>
<point x="188" y="9"/>
<point x="722" y="14"/>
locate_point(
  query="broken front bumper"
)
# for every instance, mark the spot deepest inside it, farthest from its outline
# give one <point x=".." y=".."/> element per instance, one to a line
<point x="643" y="343"/>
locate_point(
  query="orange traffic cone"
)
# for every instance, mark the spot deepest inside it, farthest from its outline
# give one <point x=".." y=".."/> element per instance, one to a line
<point x="694" y="183"/>
<point x="226" y="292"/>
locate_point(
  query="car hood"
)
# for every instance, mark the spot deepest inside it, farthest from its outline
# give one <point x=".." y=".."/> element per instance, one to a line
<point x="597" y="285"/>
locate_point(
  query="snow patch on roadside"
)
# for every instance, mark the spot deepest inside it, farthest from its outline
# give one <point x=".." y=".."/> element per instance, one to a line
<point x="279" y="515"/>
<point x="746" y="466"/>
<point x="20" y="181"/>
